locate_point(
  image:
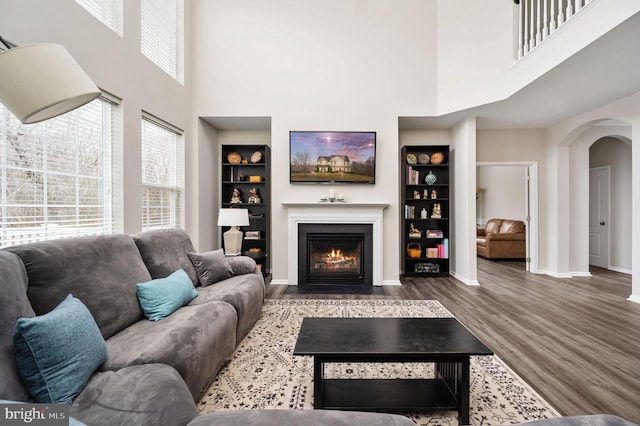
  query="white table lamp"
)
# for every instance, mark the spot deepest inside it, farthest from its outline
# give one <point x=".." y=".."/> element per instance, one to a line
<point x="233" y="237"/>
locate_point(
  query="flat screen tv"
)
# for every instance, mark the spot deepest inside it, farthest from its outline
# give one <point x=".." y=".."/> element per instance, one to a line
<point x="332" y="157"/>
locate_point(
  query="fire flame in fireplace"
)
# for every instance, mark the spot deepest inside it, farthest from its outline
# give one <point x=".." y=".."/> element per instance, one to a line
<point x="336" y="256"/>
<point x="334" y="260"/>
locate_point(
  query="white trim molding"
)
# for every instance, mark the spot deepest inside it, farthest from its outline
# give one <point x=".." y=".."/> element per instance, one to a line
<point x="555" y="274"/>
<point x="634" y="298"/>
<point x="580" y="274"/>
<point x="464" y="280"/>
<point x="621" y="270"/>
<point x="366" y="213"/>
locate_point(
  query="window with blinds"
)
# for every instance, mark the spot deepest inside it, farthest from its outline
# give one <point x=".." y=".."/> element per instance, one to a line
<point x="162" y="175"/>
<point x="58" y="178"/>
<point x="109" y="12"/>
<point x="162" y="35"/>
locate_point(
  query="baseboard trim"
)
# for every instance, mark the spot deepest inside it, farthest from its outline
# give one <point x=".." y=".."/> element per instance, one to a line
<point x="389" y="282"/>
<point x="634" y="298"/>
<point x="464" y="279"/>
<point x="555" y="274"/>
<point x="281" y="282"/>
<point x="581" y="274"/>
<point x="621" y="270"/>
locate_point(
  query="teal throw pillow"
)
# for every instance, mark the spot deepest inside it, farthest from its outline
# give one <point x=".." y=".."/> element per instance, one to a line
<point x="159" y="298"/>
<point x="57" y="352"/>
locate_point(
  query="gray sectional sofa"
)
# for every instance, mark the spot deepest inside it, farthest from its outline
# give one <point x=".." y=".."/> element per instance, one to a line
<point x="154" y="370"/>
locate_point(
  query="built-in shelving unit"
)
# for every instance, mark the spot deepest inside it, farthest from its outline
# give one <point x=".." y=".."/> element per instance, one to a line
<point x="247" y="167"/>
<point x="425" y="210"/>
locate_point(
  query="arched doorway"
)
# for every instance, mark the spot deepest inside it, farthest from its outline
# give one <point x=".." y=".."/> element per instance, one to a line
<point x="577" y="186"/>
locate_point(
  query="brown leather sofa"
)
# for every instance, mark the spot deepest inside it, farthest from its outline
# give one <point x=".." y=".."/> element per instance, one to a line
<point x="502" y="239"/>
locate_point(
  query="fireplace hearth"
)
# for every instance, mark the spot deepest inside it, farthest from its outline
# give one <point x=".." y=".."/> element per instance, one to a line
<point x="335" y="254"/>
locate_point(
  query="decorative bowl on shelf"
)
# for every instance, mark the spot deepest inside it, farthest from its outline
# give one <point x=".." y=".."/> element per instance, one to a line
<point x="437" y="158"/>
<point x="234" y="158"/>
<point x="256" y="157"/>
<point x="423" y="158"/>
<point x="411" y="158"/>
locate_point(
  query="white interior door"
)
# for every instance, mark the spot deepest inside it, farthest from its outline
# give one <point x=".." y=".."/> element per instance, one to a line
<point x="599" y="216"/>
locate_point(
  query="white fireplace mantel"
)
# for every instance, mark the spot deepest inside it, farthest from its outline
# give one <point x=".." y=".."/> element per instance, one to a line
<point x="338" y="212"/>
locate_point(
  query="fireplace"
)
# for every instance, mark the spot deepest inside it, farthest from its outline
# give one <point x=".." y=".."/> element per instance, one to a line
<point x="335" y="254"/>
<point x="352" y="213"/>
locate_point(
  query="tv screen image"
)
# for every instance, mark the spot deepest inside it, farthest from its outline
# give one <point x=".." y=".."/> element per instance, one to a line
<point x="332" y="157"/>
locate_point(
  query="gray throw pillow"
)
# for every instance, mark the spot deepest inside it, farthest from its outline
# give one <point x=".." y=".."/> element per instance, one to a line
<point x="211" y="266"/>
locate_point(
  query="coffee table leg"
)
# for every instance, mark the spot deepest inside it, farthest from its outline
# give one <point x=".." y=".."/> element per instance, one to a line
<point x="463" y="385"/>
<point x="318" y="377"/>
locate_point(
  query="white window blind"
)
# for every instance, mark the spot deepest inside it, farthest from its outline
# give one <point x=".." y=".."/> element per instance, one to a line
<point x="162" y="175"/>
<point x="109" y="12"/>
<point x="162" y="35"/>
<point x="57" y="177"/>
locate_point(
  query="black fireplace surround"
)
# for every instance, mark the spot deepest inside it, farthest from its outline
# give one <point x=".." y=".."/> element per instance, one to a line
<point x="337" y="254"/>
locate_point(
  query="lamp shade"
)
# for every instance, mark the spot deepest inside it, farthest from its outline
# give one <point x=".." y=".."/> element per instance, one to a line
<point x="233" y="217"/>
<point x="42" y="81"/>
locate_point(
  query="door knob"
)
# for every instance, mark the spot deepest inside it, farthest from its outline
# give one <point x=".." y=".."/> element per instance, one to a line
<point x="602" y="223"/>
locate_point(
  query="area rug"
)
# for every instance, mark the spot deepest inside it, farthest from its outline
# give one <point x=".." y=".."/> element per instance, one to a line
<point x="263" y="373"/>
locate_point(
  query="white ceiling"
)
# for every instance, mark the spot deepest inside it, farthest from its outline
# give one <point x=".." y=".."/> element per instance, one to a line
<point x="239" y="123"/>
<point x="606" y="70"/>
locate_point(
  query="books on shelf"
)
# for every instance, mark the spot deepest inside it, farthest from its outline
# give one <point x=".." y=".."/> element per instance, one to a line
<point x="252" y="235"/>
<point x="440" y="251"/>
<point x="413" y="176"/>
<point x="409" y="212"/>
<point x="434" y="233"/>
<point x="443" y="249"/>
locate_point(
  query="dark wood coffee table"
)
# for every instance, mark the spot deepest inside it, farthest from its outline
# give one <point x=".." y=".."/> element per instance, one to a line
<point x="443" y="341"/>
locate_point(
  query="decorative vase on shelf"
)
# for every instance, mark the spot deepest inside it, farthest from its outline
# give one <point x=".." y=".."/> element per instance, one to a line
<point x="430" y="178"/>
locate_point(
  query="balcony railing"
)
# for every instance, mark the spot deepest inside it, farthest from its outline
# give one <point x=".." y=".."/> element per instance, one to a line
<point x="538" y="19"/>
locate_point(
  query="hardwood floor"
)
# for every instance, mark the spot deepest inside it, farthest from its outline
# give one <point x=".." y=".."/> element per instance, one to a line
<point x="576" y="341"/>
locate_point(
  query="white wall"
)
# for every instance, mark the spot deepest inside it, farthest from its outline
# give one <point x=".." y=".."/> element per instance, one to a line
<point x="317" y="57"/>
<point x="463" y="190"/>
<point x="617" y="154"/>
<point x="116" y="65"/>
<point x="319" y="65"/>
<point x="203" y="177"/>
<point x="475" y="50"/>
<point x="503" y="194"/>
